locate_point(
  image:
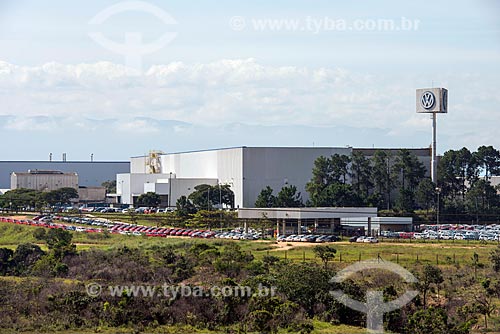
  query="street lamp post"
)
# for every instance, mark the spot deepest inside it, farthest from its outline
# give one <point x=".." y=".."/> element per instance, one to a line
<point x="169" y="190"/>
<point x="438" y="192"/>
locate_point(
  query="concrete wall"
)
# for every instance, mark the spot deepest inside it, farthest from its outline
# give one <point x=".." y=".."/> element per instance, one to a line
<point x="43" y="182"/>
<point x="90" y="174"/>
<point x="91" y="194"/>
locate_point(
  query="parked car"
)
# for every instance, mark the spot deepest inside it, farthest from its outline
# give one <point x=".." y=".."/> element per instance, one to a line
<point x="370" y="240"/>
<point x="353" y="239"/>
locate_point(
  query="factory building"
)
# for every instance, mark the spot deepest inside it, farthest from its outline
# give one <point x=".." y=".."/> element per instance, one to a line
<point x="247" y="170"/>
<point x="90" y="173"/>
<point x="43" y="180"/>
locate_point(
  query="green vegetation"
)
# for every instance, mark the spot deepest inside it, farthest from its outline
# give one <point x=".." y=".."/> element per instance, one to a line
<point x="18" y="199"/>
<point x="49" y="279"/>
<point x="287" y="197"/>
<point x="149" y="199"/>
<point x="397" y="183"/>
<point x="206" y="196"/>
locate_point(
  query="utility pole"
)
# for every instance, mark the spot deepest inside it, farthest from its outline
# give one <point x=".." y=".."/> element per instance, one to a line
<point x="169" y="190"/>
<point x="438" y="192"/>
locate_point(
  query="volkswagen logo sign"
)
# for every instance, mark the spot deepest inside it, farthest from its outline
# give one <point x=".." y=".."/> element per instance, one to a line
<point x="428" y="100"/>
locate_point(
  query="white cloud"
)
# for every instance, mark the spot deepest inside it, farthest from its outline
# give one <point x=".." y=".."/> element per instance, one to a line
<point x="234" y="91"/>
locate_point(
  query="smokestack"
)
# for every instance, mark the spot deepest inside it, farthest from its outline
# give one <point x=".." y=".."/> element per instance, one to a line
<point x="50" y="156"/>
<point x="92" y="157"/>
<point x="64" y="157"/>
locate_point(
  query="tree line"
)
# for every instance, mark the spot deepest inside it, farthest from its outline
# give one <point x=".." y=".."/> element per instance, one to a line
<point x="18" y="199"/>
<point x="399" y="182"/>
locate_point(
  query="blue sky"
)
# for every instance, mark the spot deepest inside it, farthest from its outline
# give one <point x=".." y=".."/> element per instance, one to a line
<point x="215" y="85"/>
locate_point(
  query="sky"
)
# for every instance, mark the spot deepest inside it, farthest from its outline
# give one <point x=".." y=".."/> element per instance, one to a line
<point x="119" y="78"/>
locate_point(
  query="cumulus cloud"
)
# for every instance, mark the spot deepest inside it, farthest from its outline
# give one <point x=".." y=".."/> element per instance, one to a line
<point x="219" y="92"/>
<point x="109" y="96"/>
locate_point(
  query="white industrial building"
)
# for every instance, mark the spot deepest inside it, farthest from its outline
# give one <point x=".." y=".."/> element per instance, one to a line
<point x="247" y="170"/>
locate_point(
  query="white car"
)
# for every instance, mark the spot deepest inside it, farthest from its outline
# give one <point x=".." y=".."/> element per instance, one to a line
<point x="361" y="239"/>
<point x="370" y="240"/>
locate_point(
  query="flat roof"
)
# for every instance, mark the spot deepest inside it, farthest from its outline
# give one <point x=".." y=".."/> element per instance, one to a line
<point x="64" y="162"/>
<point x="306" y="213"/>
<point x="292" y="147"/>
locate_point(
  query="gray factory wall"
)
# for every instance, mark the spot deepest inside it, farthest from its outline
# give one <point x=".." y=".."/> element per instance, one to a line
<point x="90" y="174"/>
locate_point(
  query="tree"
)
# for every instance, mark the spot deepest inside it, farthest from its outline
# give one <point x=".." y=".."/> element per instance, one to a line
<point x="303" y="284"/>
<point x="327" y="172"/>
<point x="21" y="198"/>
<point x="495" y="259"/>
<point x="432" y="275"/>
<point x="325" y="253"/>
<point x="149" y="199"/>
<point x="232" y="259"/>
<point x="408" y="171"/>
<point x="484" y="302"/>
<point x="405" y="201"/>
<point x="110" y="186"/>
<point x="288" y="197"/>
<point x="321" y="178"/>
<point x="339" y="194"/>
<point x="206" y="196"/>
<point x="481" y="197"/>
<point x="184" y="207"/>
<point x="488" y="159"/>
<point x="59" y="242"/>
<point x="340" y="167"/>
<point x="361" y="174"/>
<point x="467" y="167"/>
<point x="383" y="176"/>
<point x="266" y="199"/>
<point x="434" y="321"/>
<point x="5" y="260"/>
<point x="426" y="194"/>
<point x="24" y="257"/>
<point x="62" y="196"/>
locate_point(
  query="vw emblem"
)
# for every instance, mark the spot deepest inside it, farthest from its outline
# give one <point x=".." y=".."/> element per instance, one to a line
<point x="428" y="100"/>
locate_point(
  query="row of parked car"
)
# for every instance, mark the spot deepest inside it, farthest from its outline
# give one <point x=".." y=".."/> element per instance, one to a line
<point x="133" y="229"/>
<point x="308" y="238"/>
<point x="48" y="223"/>
<point x="239" y="234"/>
<point x="489" y="232"/>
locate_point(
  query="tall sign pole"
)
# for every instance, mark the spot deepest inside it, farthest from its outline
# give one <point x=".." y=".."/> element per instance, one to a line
<point x="433" y="101"/>
<point x="434" y="148"/>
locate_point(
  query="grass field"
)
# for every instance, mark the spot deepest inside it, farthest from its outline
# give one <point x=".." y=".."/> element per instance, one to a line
<point x="402" y="252"/>
<point x="319" y="328"/>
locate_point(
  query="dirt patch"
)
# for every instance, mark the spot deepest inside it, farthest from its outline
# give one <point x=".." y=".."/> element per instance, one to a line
<point x="281" y="246"/>
<point x="19" y="217"/>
